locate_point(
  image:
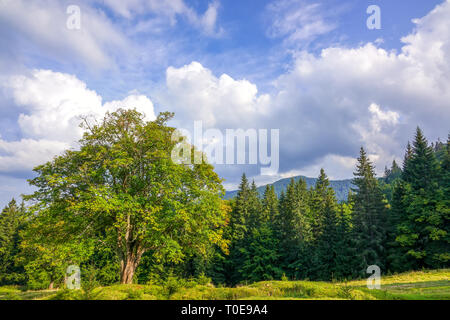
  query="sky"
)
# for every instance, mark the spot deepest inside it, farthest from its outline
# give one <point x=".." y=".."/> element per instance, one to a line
<point x="310" y="68"/>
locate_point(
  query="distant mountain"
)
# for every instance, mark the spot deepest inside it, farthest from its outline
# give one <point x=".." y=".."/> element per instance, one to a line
<point x="340" y="187"/>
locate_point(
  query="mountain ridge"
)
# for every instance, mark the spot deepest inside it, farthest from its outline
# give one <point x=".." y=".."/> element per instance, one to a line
<point x="340" y="187"/>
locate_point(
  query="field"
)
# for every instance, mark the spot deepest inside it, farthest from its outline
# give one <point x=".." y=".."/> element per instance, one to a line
<point x="423" y="285"/>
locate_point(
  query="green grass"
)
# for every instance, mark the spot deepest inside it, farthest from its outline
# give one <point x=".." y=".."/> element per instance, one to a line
<point x="16" y="293"/>
<point x="421" y="285"/>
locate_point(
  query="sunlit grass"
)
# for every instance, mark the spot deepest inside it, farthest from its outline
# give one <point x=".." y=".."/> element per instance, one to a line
<point x="420" y="285"/>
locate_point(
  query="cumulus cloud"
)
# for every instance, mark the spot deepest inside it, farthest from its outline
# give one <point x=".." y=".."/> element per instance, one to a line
<point x="347" y="97"/>
<point x="195" y="93"/>
<point x="328" y="105"/>
<point x="379" y="116"/>
<point x="53" y="104"/>
<point x="18" y="156"/>
<point x="377" y="135"/>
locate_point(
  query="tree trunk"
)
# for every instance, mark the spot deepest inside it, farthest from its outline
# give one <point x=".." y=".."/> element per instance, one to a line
<point x="50" y="286"/>
<point x="129" y="263"/>
<point x="130" y="252"/>
<point x="127" y="269"/>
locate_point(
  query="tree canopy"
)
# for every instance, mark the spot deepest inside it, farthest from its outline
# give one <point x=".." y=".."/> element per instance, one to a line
<point x="121" y="188"/>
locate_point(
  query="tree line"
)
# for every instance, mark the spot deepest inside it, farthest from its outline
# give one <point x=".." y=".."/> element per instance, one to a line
<point x="399" y="222"/>
<point x="119" y="207"/>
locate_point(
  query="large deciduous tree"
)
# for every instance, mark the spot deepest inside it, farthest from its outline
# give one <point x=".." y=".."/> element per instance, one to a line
<point x="122" y="189"/>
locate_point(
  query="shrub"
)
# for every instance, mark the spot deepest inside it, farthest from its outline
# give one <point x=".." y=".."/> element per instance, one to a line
<point x="88" y="284"/>
<point x="299" y="291"/>
<point x="171" y="285"/>
<point x="134" y="294"/>
<point x="203" y="279"/>
<point x="345" y="292"/>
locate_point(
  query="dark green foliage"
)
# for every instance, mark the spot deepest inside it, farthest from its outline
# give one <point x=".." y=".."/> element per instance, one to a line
<point x="397" y="257"/>
<point x="306" y="234"/>
<point x="12" y="221"/>
<point x="345" y="254"/>
<point x="326" y="248"/>
<point x="270" y="205"/>
<point x="253" y="249"/>
<point x="239" y="229"/>
<point x="294" y="229"/>
<point x="425" y="231"/>
<point x="444" y="180"/>
<point x="240" y="212"/>
<point x="392" y="174"/>
<point x="260" y="257"/>
<point x="104" y="264"/>
<point x="406" y="173"/>
<point x="89" y="282"/>
<point x="255" y="210"/>
<point x="369" y="217"/>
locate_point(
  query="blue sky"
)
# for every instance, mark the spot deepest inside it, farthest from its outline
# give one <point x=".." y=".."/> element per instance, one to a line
<point x="307" y="67"/>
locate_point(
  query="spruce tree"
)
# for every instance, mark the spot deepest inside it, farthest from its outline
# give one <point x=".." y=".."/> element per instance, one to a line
<point x="238" y="229"/>
<point x="425" y="231"/>
<point x="345" y="255"/>
<point x="12" y="221"/>
<point x="324" y="248"/>
<point x="254" y="209"/>
<point x="270" y="205"/>
<point x="327" y="249"/>
<point x="369" y="214"/>
<point x="444" y="180"/>
<point x="294" y="229"/>
<point x="246" y="218"/>
<point x="322" y="197"/>
<point x="406" y="175"/>
<point x="260" y="255"/>
<point x="394" y="173"/>
<point x="240" y="213"/>
<point x="397" y="258"/>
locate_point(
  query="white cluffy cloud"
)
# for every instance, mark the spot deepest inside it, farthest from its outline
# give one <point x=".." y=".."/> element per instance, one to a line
<point x="328" y="105"/>
<point x="347" y="97"/>
<point x="195" y="93"/>
<point x="52" y="105"/>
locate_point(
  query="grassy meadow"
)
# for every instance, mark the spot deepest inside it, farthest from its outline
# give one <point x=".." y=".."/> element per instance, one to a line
<point x="421" y="285"/>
